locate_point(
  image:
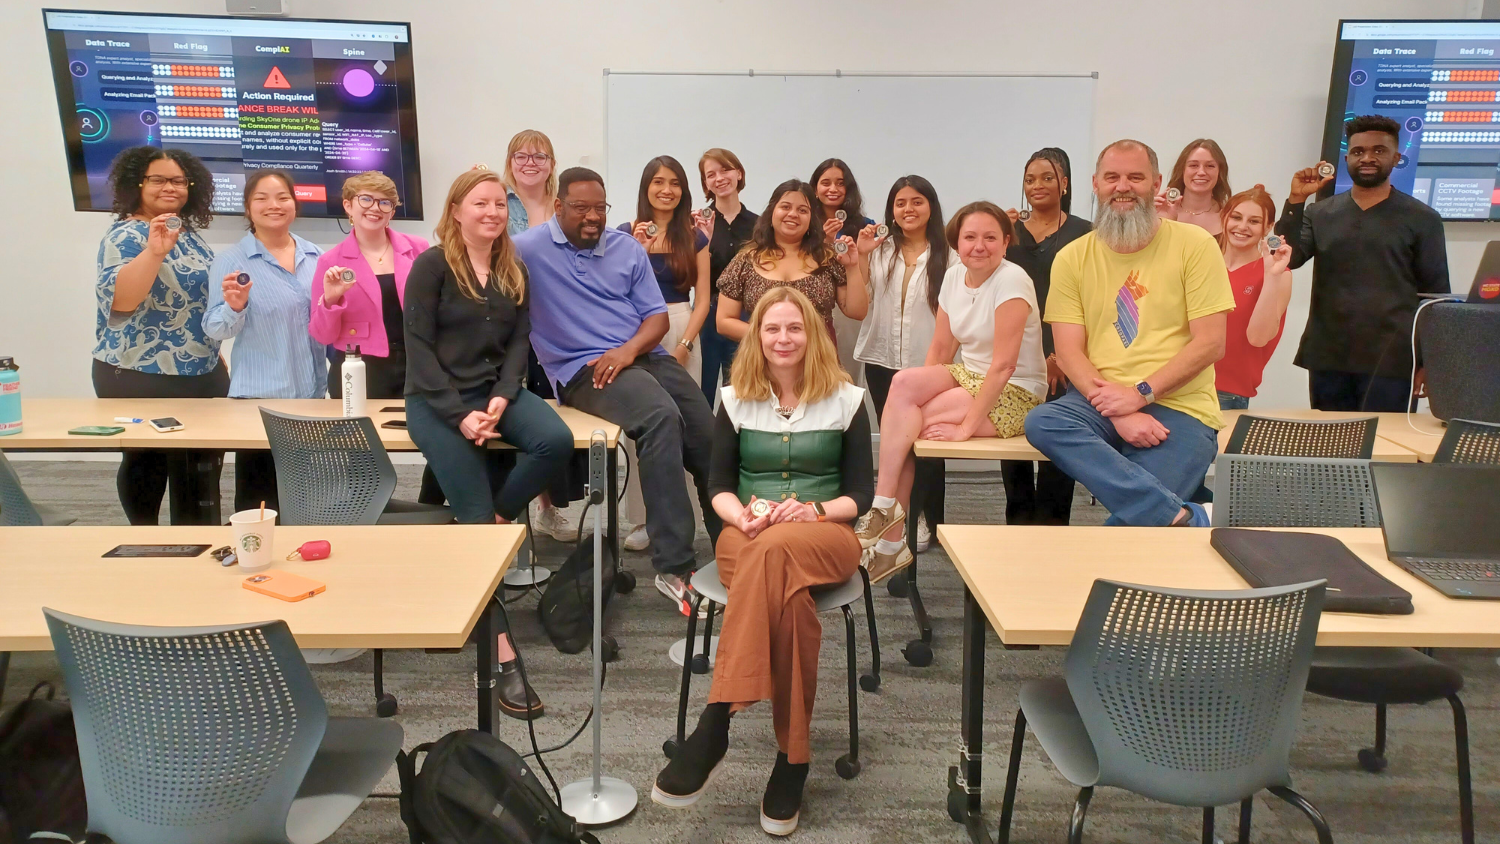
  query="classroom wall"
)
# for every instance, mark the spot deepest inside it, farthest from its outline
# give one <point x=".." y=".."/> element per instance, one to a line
<point x="1254" y="76"/>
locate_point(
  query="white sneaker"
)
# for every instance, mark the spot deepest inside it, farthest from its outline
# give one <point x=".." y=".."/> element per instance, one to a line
<point x="637" y="540"/>
<point x="924" y="536"/>
<point x="328" y="656"/>
<point x="674" y="588"/>
<point x="552" y="522"/>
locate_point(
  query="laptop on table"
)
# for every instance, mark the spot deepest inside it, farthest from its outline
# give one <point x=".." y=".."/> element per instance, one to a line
<point x="1442" y="524"/>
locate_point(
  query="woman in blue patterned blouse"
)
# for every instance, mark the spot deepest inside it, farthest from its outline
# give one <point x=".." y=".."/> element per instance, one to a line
<point x="152" y="291"/>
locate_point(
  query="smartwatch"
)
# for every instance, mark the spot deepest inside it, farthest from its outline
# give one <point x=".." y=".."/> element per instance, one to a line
<point x="818" y="508"/>
<point x="1145" y="390"/>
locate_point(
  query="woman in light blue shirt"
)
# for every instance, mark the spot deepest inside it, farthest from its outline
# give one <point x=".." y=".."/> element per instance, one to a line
<point x="273" y="356"/>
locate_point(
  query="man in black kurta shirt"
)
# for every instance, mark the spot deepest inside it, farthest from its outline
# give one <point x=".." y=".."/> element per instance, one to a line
<point x="1376" y="249"/>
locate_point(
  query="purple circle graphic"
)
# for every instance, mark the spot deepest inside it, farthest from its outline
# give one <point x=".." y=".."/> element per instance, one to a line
<point x="359" y="83"/>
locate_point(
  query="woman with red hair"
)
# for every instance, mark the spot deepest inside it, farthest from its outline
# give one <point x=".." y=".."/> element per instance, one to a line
<point x="1262" y="287"/>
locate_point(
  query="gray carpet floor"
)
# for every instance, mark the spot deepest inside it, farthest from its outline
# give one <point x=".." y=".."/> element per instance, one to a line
<point x="908" y="730"/>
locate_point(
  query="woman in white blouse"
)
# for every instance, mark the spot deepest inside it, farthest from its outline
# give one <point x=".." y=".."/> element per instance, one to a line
<point x="987" y="311"/>
<point x="905" y="275"/>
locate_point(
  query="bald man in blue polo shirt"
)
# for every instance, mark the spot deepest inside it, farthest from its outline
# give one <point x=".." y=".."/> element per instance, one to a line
<point x="597" y="319"/>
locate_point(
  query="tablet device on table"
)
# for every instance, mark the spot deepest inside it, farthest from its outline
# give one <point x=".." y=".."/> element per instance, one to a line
<point x="156" y="550"/>
<point x="283" y="585"/>
<point x="400" y="408"/>
<point x="393" y="423"/>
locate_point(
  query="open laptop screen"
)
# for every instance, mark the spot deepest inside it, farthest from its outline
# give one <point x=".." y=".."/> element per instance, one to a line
<point x="1439" y="509"/>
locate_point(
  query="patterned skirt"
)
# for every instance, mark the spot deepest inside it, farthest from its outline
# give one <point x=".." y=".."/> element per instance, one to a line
<point x="1009" y="413"/>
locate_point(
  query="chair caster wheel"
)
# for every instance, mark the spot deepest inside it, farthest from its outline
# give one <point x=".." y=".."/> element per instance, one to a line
<point x="624" y="582"/>
<point x="669" y="748"/>
<point x="609" y="648"/>
<point x="918" y="653"/>
<point x="848" y="769"/>
<point x="957" y="805"/>
<point x="869" y="682"/>
<point x="700" y="664"/>
<point x="385" y="705"/>
<point x="897" y="587"/>
<point x="1370" y="762"/>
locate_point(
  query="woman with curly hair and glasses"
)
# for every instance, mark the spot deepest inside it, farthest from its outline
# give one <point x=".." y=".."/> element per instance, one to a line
<point x="152" y="291"/>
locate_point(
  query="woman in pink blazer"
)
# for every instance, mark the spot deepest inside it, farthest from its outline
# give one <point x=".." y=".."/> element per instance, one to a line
<point x="366" y="312"/>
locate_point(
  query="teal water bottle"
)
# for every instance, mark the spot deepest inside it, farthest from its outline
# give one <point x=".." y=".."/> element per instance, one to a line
<point x="10" y="397"/>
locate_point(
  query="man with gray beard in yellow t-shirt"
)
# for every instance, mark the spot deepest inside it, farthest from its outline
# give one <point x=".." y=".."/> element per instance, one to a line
<point x="1137" y="309"/>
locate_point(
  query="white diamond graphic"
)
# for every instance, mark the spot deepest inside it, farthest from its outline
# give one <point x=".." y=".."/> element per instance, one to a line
<point x="380" y="68"/>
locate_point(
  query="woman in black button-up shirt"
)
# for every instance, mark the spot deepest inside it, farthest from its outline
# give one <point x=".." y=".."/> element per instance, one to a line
<point x="466" y="344"/>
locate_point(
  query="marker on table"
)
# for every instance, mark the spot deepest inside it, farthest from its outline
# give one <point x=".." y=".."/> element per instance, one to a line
<point x="131" y="419"/>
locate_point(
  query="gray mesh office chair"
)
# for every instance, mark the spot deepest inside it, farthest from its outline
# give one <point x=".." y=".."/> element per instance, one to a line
<point x="194" y="734"/>
<point x="1467" y="441"/>
<point x="16" y="507"/>
<point x="1257" y="491"/>
<point x="1348" y="438"/>
<point x="1187" y="697"/>
<point x="335" y="471"/>
<point x="706" y="586"/>
<point x="1252" y="491"/>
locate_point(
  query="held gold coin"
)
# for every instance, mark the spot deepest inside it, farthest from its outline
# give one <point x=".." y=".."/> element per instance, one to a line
<point x="347" y="275"/>
<point x="759" y="507"/>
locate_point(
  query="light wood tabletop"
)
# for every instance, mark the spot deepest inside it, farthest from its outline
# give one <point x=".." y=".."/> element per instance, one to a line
<point x="1395" y="442"/>
<point x="1032" y="582"/>
<point x="216" y="423"/>
<point x="388" y="587"/>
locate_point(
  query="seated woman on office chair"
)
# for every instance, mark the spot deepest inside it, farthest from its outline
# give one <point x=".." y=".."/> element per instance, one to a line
<point x="791" y="473"/>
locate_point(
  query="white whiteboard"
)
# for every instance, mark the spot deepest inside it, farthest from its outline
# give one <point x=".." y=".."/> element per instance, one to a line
<point x="968" y="135"/>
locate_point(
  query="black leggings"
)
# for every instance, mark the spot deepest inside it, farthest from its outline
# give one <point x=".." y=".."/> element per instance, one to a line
<point x="929" y="484"/>
<point x="142" y="479"/>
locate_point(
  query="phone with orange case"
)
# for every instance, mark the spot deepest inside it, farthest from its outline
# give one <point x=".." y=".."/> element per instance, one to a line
<point x="283" y="585"/>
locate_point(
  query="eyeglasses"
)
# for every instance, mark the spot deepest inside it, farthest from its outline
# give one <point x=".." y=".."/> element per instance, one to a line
<point x="364" y="200"/>
<point x="582" y="209"/>
<point x="530" y="158"/>
<point x="174" y="181"/>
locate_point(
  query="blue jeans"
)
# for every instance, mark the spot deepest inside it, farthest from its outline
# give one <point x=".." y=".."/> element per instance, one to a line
<point x="1230" y="401"/>
<point x="474" y="477"/>
<point x="1139" y="486"/>
<point x="718" y="351"/>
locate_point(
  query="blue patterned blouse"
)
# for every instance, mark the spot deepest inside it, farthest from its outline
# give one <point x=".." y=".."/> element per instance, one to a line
<point x="164" y="335"/>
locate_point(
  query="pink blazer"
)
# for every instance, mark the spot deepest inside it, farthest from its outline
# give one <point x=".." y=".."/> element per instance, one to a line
<point x="357" y="319"/>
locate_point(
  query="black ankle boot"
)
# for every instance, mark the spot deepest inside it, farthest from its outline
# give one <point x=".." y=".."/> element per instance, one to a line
<point x="782" y="802"/>
<point x="516" y="698"/>
<point x="696" y="761"/>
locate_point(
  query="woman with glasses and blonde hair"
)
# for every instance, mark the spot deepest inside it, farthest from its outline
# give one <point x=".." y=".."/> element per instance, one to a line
<point x="530" y="177"/>
<point x="791" y="473"/>
<point x="466" y="344"/>
<point x="365" y="311"/>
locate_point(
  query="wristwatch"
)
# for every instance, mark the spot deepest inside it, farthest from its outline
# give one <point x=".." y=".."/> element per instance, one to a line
<point x="1145" y="390"/>
<point x="818" y="508"/>
<point x="688" y="344"/>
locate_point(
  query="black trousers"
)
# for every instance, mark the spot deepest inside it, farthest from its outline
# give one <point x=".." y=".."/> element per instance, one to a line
<point x="1037" y="493"/>
<point x="930" y="483"/>
<point x="659" y="406"/>
<point x="385" y="378"/>
<point x="1357" y="391"/>
<point x="142" y="479"/>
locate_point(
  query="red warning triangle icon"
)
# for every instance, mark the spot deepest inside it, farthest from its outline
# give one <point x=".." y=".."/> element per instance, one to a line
<point x="276" y="79"/>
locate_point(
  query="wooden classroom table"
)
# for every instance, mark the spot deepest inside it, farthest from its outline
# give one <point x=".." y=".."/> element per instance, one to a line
<point x="232" y="424"/>
<point x="412" y="586"/>
<point x="1030" y="584"/>
<point x="1395" y="442"/>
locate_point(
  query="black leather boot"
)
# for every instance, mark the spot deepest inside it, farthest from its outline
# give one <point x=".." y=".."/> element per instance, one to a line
<point x="515" y="696"/>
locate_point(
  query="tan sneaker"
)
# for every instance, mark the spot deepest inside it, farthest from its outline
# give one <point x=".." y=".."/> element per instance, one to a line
<point x="880" y="520"/>
<point x="880" y="566"/>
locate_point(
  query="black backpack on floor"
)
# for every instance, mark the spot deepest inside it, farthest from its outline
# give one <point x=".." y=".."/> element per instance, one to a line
<point x="474" y="789"/>
<point x="567" y="605"/>
<point x="41" y="778"/>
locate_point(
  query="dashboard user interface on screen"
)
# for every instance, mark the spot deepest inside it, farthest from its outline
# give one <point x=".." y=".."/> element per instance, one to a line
<point x="322" y="100"/>
<point x="1440" y="80"/>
